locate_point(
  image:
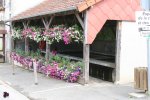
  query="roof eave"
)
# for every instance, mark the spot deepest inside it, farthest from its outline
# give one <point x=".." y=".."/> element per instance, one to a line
<point x="46" y="13"/>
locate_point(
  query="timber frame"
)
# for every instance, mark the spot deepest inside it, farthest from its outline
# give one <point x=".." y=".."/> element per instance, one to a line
<point x="25" y="25"/>
<point x="47" y="21"/>
<point x="47" y="24"/>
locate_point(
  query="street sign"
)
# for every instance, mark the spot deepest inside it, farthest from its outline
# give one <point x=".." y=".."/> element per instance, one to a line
<point x="143" y="22"/>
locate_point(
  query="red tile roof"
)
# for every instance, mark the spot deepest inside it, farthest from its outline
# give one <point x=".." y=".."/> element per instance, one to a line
<point x="110" y="10"/>
<point x="86" y="3"/>
<point x="97" y="15"/>
<point x="49" y="7"/>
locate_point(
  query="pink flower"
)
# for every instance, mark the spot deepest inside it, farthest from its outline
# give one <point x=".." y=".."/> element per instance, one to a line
<point x="54" y="52"/>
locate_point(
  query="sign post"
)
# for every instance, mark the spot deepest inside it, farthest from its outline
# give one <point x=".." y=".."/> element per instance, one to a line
<point x="143" y="24"/>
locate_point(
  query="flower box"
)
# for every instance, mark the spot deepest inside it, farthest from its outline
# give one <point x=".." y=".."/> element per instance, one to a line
<point x="62" y="70"/>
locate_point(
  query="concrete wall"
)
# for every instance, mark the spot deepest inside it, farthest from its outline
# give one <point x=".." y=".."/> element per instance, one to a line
<point x="133" y="51"/>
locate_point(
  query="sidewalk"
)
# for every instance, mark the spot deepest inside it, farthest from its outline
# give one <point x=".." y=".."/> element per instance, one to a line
<point x="52" y="89"/>
<point x="13" y="94"/>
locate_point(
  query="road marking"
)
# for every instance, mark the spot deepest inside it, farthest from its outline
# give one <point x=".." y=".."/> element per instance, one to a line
<point x="56" y="88"/>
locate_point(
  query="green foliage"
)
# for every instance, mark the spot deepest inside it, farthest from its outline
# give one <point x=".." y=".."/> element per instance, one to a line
<point x="77" y="33"/>
<point x="65" y="61"/>
<point x="62" y="61"/>
<point x="20" y="52"/>
<point x="36" y="54"/>
<point x="79" y="63"/>
<point x="17" y="33"/>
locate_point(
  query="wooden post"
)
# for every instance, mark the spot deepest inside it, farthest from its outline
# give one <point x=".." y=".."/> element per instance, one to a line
<point x="25" y="24"/>
<point x="4" y="46"/>
<point x="26" y="45"/>
<point x="86" y="48"/>
<point x="86" y="51"/>
<point x="35" y="72"/>
<point x="116" y="72"/>
<point x="47" y="24"/>
<point x="47" y="51"/>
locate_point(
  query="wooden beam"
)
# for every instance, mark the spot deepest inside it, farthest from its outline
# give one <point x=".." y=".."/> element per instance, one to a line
<point x="46" y="22"/>
<point x="80" y="20"/>
<point x="25" y="25"/>
<point x="86" y="4"/>
<point x="92" y="61"/>
<point x="81" y="7"/>
<point x="103" y="63"/>
<point x="86" y="51"/>
<point x="50" y="21"/>
<point x="90" y="2"/>
<point x="70" y="57"/>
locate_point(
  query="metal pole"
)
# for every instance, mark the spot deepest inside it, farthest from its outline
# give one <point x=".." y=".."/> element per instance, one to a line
<point x="35" y="72"/>
<point x="146" y="6"/>
<point x="148" y="62"/>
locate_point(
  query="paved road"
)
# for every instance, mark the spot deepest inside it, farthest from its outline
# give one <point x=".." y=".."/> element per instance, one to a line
<point x="52" y="89"/>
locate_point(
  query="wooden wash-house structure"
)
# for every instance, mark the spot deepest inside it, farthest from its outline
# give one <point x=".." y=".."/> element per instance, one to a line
<point x="93" y="16"/>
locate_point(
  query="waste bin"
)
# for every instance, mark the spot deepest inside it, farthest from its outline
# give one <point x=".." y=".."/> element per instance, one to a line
<point x="140" y="78"/>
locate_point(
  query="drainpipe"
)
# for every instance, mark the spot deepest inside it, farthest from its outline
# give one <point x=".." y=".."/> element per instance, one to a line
<point x="9" y="39"/>
<point x="10" y="28"/>
<point x="146" y="6"/>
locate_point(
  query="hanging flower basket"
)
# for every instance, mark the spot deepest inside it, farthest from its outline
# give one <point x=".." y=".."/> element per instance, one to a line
<point x="53" y="34"/>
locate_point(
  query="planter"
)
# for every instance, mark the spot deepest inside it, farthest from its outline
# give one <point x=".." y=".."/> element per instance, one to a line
<point x="17" y="63"/>
<point x="70" y="72"/>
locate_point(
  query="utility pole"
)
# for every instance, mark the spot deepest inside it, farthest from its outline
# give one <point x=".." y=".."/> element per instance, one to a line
<point x="146" y="6"/>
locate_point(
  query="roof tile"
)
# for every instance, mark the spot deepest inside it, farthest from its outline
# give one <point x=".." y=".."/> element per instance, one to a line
<point x="49" y="7"/>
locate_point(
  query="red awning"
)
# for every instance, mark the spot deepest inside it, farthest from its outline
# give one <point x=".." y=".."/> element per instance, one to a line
<point x="3" y="31"/>
<point x="109" y="10"/>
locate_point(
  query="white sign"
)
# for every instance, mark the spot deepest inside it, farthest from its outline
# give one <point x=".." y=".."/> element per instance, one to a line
<point x="143" y="22"/>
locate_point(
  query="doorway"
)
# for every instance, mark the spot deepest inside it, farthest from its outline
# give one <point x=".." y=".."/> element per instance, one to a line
<point x="103" y="53"/>
<point x="2" y="48"/>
